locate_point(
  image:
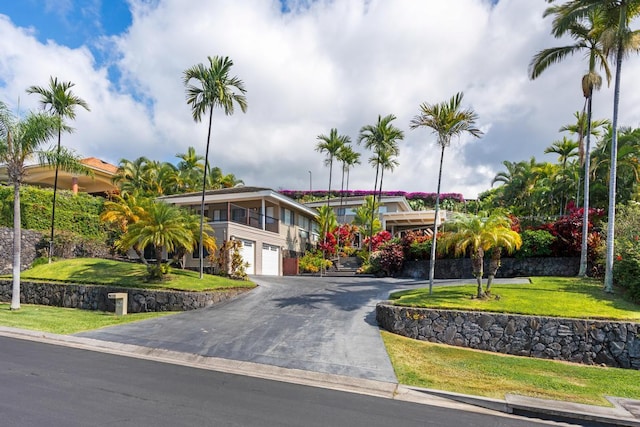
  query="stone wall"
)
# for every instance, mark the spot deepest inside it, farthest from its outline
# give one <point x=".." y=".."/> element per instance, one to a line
<point x="30" y="241"/>
<point x="89" y="297"/>
<point x="615" y="344"/>
<point x="460" y="268"/>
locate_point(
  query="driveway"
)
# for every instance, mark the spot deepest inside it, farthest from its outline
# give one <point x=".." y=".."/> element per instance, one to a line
<point x="321" y="324"/>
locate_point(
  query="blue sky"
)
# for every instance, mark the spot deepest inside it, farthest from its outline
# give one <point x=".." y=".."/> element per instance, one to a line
<point x="309" y="66"/>
<point x="68" y="22"/>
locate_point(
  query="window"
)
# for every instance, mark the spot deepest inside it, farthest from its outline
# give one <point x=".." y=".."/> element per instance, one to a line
<point x="287" y="217"/>
<point x="220" y="215"/>
<point x="196" y="253"/>
<point x="303" y="222"/>
<point x="237" y="215"/>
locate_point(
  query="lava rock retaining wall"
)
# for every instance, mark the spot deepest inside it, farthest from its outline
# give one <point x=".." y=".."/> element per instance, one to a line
<point x="615" y="344"/>
<point x="91" y="297"/>
<point x="460" y="268"/>
<point x="30" y="240"/>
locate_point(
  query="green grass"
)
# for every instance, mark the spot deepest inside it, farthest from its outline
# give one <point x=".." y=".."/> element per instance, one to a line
<point x="479" y="373"/>
<point x="59" y="320"/>
<point x="97" y="271"/>
<point x="544" y="296"/>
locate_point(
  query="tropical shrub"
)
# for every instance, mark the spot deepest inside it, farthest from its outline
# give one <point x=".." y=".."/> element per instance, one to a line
<point x="535" y="243"/>
<point x="378" y="240"/>
<point x="626" y="265"/>
<point x="390" y="258"/>
<point x="313" y="262"/>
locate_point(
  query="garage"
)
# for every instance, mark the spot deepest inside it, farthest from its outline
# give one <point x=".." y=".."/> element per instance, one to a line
<point x="248" y="255"/>
<point x="270" y="260"/>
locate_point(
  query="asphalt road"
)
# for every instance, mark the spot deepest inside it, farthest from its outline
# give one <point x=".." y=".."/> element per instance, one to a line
<point x="320" y="324"/>
<point x="47" y="385"/>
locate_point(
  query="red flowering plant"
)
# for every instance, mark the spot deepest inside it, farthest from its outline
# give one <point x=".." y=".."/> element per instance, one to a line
<point x="377" y="240"/>
<point x="568" y="230"/>
<point x="328" y="244"/>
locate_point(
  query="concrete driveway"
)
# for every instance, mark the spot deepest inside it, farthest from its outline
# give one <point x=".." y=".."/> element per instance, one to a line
<point x="321" y="324"/>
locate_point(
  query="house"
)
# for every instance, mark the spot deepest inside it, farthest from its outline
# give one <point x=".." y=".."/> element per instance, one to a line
<point x="395" y="213"/>
<point x="269" y="225"/>
<point x="99" y="183"/>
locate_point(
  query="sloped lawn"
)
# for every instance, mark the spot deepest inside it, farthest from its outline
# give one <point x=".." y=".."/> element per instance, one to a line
<point x="97" y="271"/>
<point x="544" y="296"/>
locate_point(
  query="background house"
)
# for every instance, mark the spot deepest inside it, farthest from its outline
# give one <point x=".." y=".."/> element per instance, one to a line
<point x="395" y="213"/>
<point x="100" y="183"/>
<point x="269" y="225"/>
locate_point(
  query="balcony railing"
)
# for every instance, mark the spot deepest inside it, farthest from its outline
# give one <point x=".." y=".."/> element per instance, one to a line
<point x="250" y="217"/>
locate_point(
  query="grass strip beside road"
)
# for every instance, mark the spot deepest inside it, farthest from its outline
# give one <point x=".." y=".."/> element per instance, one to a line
<point x="544" y="296"/>
<point x="97" y="271"/>
<point x="479" y="373"/>
<point x="58" y="320"/>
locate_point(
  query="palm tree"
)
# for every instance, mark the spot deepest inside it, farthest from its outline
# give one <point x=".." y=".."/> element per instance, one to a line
<point x="216" y="89"/>
<point x="190" y="168"/>
<point x="162" y="226"/>
<point x="477" y="234"/>
<point x="20" y="141"/>
<point x="123" y="211"/>
<point x="566" y="149"/>
<point x="587" y="34"/>
<point x="447" y="120"/>
<point x="331" y="146"/>
<point x="363" y="215"/>
<point x="617" y="41"/>
<point x="61" y="102"/>
<point x="382" y="139"/>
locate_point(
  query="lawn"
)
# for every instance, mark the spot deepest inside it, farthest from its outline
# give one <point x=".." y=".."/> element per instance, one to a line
<point x="544" y="296"/>
<point x="437" y="366"/>
<point x="59" y="320"/>
<point x="97" y="271"/>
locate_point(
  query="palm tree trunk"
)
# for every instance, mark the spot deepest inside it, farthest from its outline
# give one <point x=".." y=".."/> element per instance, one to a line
<point x="477" y="263"/>
<point x="585" y="206"/>
<point x="375" y="185"/>
<point x="17" y="248"/>
<point x="204" y="186"/>
<point x="494" y="265"/>
<point x="432" y="264"/>
<point x="55" y="190"/>
<point x="330" y="173"/>
<point x="608" y="273"/>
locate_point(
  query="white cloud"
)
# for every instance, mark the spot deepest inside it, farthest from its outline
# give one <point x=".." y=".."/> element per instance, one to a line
<point x="325" y="64"/>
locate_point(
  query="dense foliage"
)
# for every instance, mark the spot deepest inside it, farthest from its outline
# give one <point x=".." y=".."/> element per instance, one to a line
<point x="626" y="266"/>
<point x="76" y="213"/>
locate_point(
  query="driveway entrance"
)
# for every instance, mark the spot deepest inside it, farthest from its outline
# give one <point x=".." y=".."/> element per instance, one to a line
<point x="321" y="324"/>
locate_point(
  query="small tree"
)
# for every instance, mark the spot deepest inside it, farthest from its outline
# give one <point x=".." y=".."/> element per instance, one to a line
<point x="477" y="234"/>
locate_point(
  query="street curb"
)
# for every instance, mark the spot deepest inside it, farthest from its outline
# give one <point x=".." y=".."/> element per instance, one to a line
<point x="617" y="415"/>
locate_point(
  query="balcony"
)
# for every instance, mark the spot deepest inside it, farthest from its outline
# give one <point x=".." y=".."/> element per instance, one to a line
<point x="247" y="216"/>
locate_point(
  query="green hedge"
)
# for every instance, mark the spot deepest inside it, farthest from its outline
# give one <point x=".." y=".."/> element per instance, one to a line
<point x="78" y="213"/>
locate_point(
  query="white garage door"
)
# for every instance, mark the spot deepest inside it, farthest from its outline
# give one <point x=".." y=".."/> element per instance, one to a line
<point x="248" y="255"/>
<point x="270" y="260"/>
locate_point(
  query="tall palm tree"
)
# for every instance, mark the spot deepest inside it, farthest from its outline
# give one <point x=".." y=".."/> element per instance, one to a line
<point x="446" y="119"/>
<point x="60" y="101"/>
<point x="381" y="138"/>
<point x="618" y="40"/>
<point x="349" y="158"/>
<point x="331" y="145"/>
<point x="587" y="34"/>
<point x="215" y="89"/>
<point x="21" y="140"/>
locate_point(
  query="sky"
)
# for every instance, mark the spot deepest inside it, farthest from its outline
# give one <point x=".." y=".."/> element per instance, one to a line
<point x="308" y="66"/>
